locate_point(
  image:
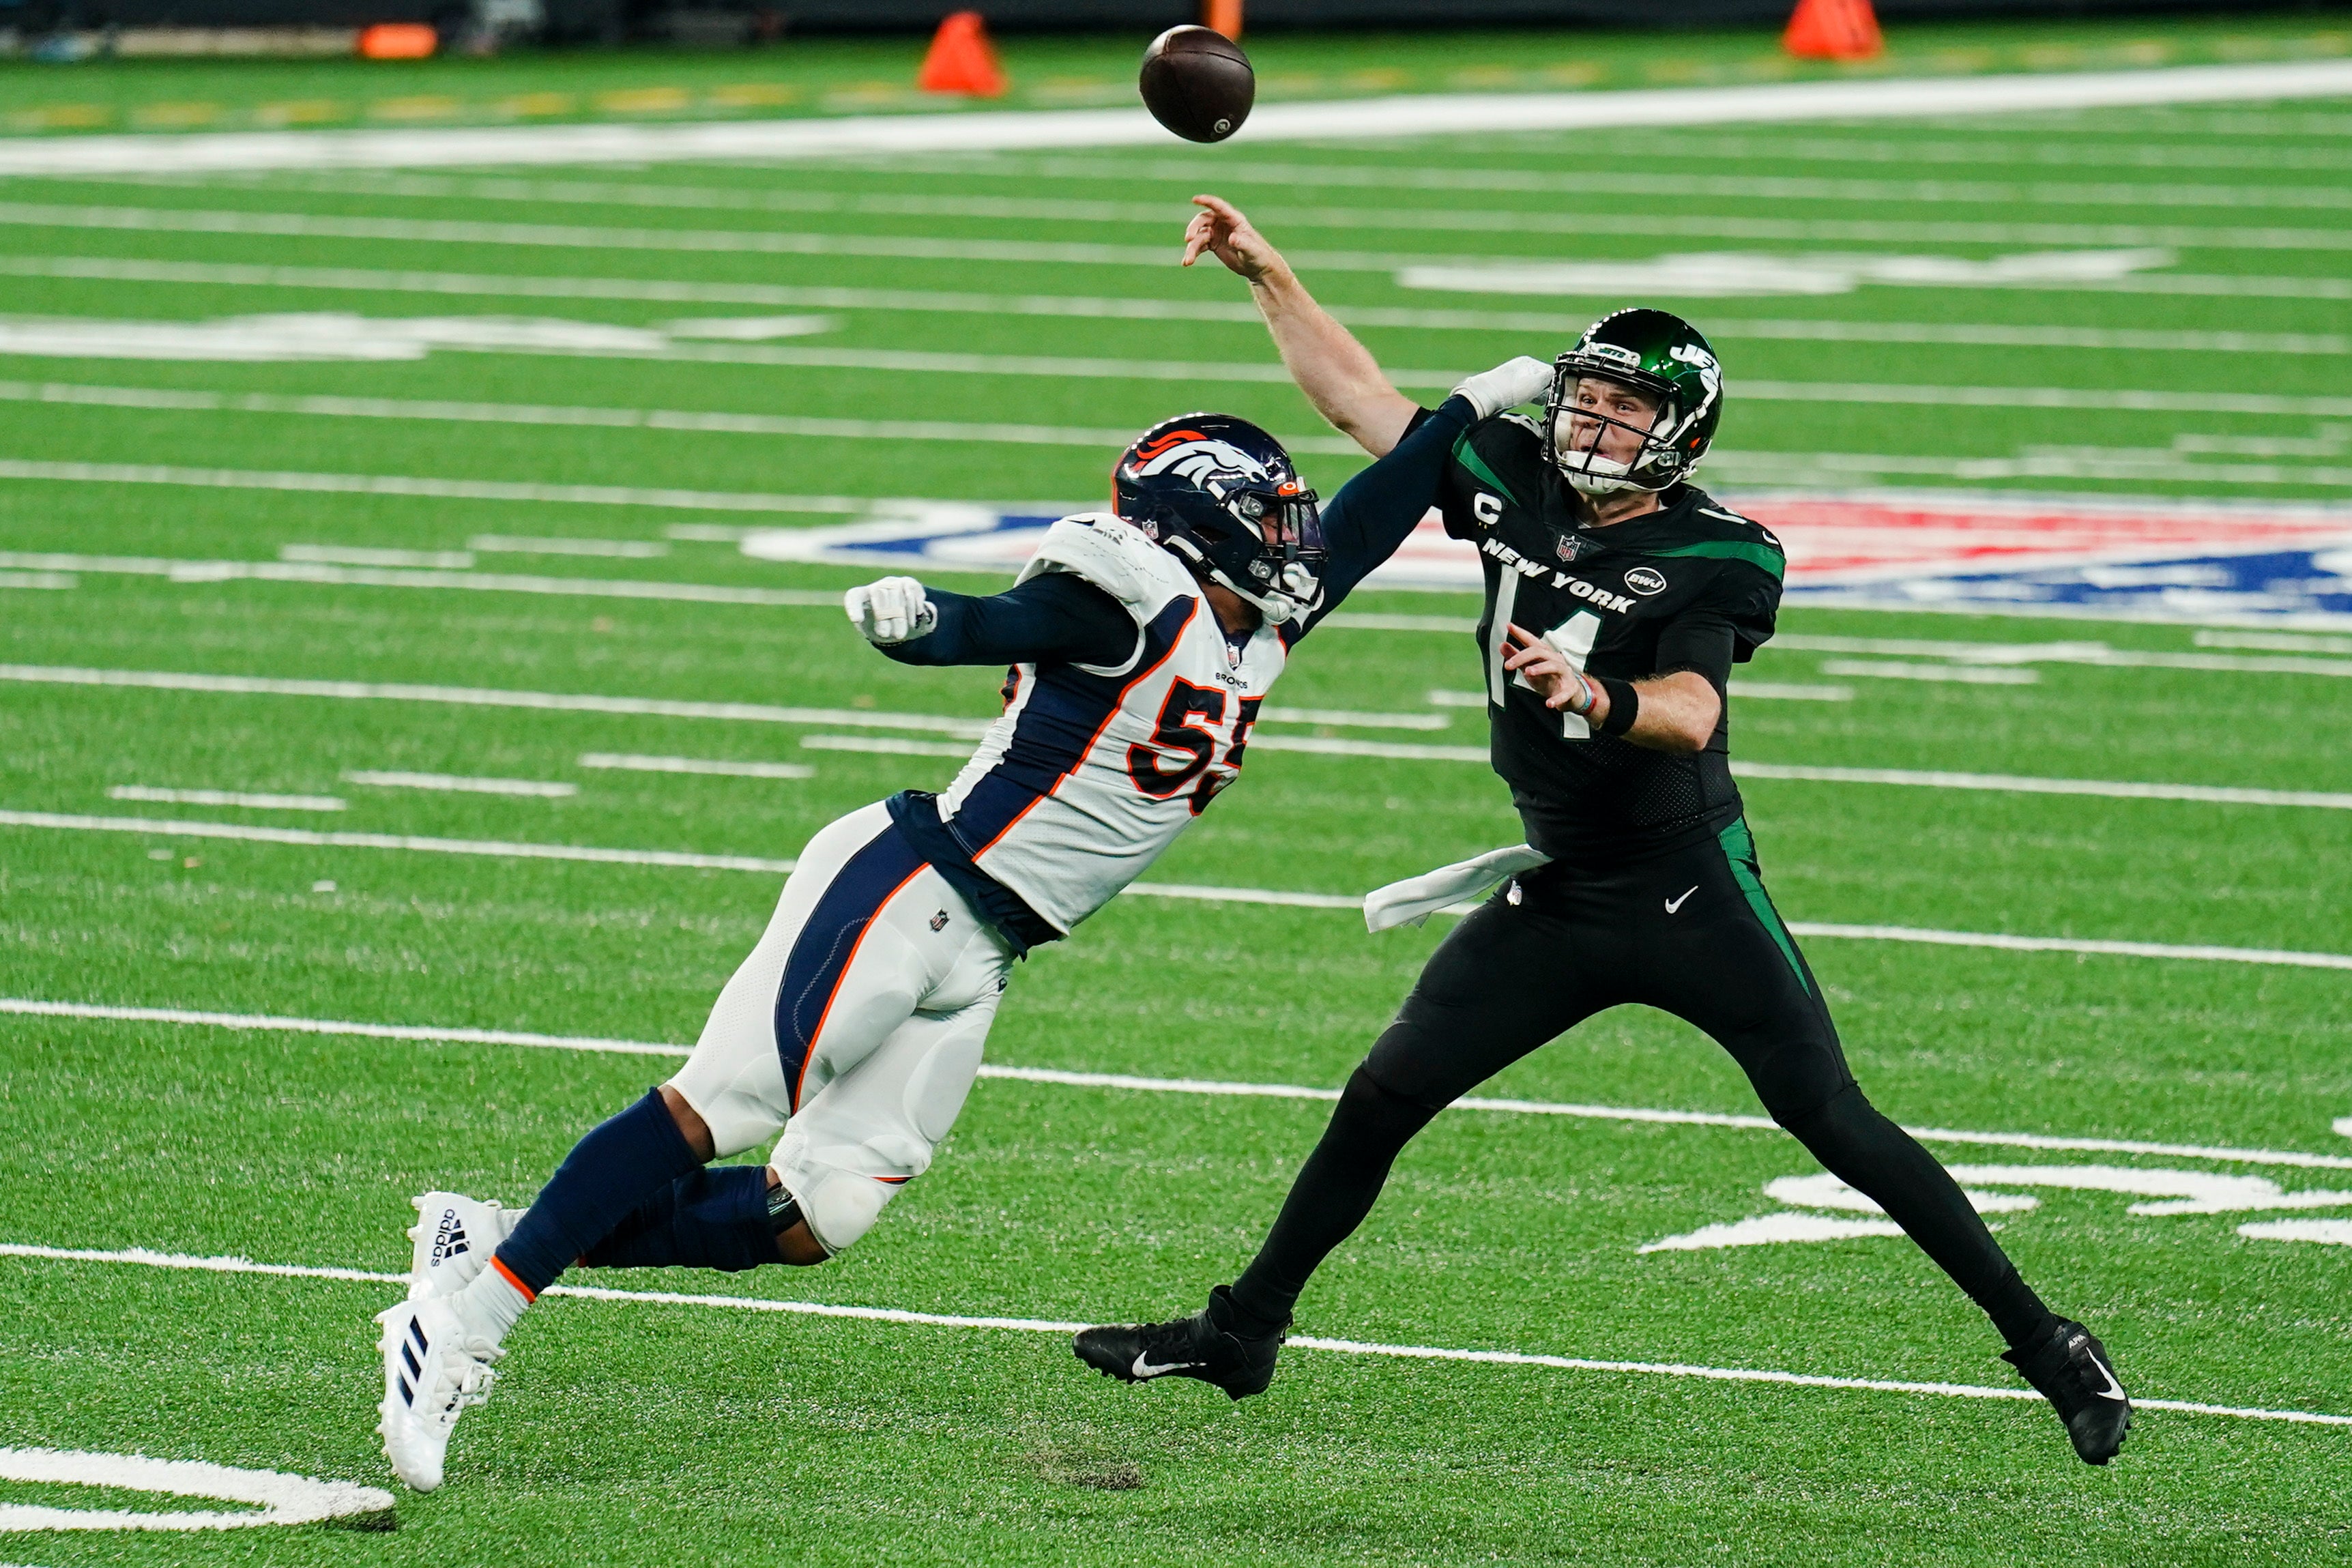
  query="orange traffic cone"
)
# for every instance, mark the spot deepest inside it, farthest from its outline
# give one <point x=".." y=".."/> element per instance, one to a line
<point x="1833" y="30"/>
<point x="962" y="59"/>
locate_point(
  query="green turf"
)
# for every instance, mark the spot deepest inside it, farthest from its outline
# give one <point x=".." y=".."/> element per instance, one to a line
<point x="638" y="1433"/>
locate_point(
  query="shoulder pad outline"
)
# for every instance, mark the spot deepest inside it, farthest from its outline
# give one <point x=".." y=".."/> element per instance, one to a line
<point x="1112" y="553"/>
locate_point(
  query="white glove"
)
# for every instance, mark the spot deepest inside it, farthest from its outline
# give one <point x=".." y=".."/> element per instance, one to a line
<point x="1522" y="380"/>
<point x="890" y="611"/>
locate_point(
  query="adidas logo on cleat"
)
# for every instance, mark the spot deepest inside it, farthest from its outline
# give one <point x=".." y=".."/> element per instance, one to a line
<point x="450" y="1240"/>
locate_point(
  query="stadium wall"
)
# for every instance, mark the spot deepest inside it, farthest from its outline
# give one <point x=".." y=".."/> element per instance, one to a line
<point x="613" y="18"/>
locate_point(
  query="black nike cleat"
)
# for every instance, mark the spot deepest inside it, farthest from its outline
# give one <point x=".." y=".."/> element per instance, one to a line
<point x="2071" y="1370"/>
<point x="1205" y="1345"/>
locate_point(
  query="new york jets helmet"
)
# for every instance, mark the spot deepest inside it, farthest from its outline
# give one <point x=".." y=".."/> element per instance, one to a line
<point x="1221" y="494"/>
<point x="1661" y="356"/>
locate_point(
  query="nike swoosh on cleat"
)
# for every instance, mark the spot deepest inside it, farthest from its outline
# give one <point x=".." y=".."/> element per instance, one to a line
<point x="1145" y="1367"/>
<point x="2114" y="1390"/>
<point x="1673" y="906"/>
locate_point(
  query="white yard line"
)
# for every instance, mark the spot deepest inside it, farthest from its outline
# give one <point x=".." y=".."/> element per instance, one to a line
<point x="278" y="1023"/>
<point x="260" y="1023"/>
<point x="1379" y="118"/>
<point x="49" y="580"/>
<point x="630" y="762"/>
<point x="689" y="421"/>
<point x="968" y="728"/>
<point x="2100" y="655"/>
<point x="2014" y="783"/>
<point x="1349" y="718"/>
<point x="478" y="696"/>
<point x="886" y="745"/>
<point x="357" y="279"/>
<point x="535" y="544"/>
<point x="541" y="789"/>
<point x="1393" y="173"/>
<point x="901" y="361"/>
<point x="1396" y="750"/>
<point x="1963" y="674"/>
<point x="2079" y="152"/>
<point x="1842" y="470"/>
<point x="2282" y="957"/>
<point x="189" y="572"/>
<point x="145" y="1257"/>
<point x="159" y="829"/>
<point x="156" y="795"/>
<point x="1031" y="254"/>
<point x="1389" y="174"/>
<point x="356" y="555"/>
<point x="425" y="487"/>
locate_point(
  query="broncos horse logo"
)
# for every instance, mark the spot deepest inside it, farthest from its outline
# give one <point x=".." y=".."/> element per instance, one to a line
<point x="1199" y="458"/>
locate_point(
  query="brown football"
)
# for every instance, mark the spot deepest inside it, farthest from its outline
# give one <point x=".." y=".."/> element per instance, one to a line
<point x="1198" y="83"/>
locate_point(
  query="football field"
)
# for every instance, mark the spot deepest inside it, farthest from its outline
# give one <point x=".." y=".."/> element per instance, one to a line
<point x="417" y="673"/>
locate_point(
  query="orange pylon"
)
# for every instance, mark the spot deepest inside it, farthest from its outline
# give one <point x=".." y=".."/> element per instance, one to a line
<point x="1833" y="30"/>
<point x="962" y="60"/>
<point x="1223" y="17"/>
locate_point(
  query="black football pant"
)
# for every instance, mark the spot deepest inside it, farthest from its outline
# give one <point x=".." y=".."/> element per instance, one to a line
<point x="1691" y="933"/>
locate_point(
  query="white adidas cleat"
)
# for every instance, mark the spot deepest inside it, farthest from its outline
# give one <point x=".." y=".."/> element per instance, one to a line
<point x="453" y="1236"/>
<point x="433" y="1369"/>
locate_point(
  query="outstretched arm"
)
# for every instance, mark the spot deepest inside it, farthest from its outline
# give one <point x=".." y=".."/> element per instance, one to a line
<point x="1378" y="508"/>
<point x="1052" y="617"/>
<point x="1338" y="374"/>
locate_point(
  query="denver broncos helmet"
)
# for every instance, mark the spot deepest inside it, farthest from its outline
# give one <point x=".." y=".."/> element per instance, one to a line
<point x="1221" y="494"/>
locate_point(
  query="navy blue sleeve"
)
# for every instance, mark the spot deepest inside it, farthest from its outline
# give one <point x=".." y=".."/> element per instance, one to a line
<point x="1375" y="511"/>
<point x="1052" y="617"/>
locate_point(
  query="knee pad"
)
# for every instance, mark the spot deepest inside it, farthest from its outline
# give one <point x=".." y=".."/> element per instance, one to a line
<point x="842" y="1205"/>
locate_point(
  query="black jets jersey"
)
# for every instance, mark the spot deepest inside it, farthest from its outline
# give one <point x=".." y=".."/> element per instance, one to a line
<point x="1690" y="586"/>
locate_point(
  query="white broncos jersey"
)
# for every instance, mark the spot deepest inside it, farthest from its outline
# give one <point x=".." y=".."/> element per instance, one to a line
<point x="1092" y="770"/>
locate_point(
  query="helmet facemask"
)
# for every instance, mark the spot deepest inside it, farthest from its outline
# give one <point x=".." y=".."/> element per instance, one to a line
<point x="1607" y="450"/>
<point x="1602" y="452"/>
<point x="1263" y="545"/>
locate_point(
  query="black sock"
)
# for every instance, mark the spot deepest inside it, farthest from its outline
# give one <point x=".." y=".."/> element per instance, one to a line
<point x="716" y="1218"/>
<point x="1334" y="1192"/>
<point x="2015" y="1309"/>
<point x="621" y="1163"/>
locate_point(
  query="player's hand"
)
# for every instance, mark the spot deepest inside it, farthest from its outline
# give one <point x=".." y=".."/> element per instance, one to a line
<point x="1560" y="683"/>
<point x="893" y="610"/>
<point x="1522" y="380"/>
<point x="1219" y="228"/>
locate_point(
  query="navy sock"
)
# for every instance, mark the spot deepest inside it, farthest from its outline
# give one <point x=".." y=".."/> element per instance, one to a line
<point x="713" y="1219"/>
<point x="621" y="1163"/>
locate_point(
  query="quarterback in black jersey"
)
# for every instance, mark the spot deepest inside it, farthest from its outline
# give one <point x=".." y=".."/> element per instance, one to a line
<point x="1618" y="597"/>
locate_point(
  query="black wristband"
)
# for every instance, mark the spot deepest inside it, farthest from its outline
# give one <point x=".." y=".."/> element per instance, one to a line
<point x="1624" y="704"/>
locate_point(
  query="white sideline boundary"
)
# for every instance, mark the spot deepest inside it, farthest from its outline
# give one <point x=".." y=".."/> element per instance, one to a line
<point x="143" y="1256"/>
<point x="269" y="1023"/>
<point x="1431" y="115"/>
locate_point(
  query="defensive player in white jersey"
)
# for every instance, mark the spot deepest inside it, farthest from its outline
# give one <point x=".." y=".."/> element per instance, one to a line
<point x="1141" y="644"/>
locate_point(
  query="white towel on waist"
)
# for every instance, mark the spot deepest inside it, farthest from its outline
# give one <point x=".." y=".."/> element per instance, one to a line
<point x="1416" y="899"/>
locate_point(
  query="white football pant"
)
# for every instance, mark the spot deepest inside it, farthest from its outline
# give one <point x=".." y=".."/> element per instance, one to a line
<point x="856" y="1026"/>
